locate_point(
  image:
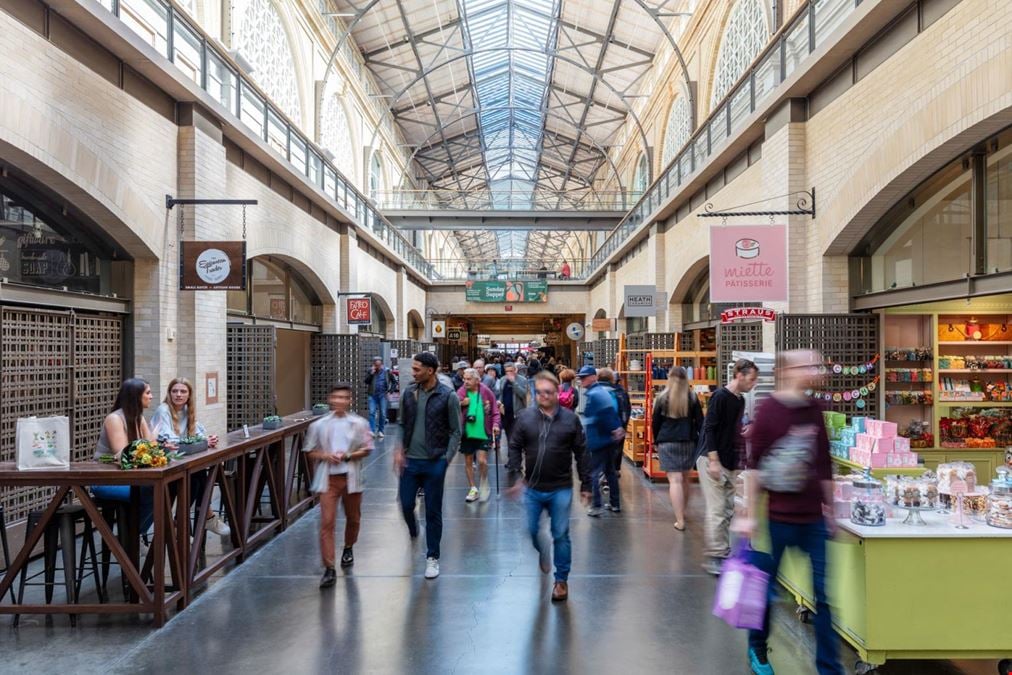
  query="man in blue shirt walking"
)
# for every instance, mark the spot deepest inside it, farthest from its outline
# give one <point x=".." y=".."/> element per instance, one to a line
<point x="604" y="429"/>
<point x="379" y="380"/>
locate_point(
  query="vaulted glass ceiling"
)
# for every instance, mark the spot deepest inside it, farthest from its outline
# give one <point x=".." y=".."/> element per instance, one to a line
<point x="513" y="99"/>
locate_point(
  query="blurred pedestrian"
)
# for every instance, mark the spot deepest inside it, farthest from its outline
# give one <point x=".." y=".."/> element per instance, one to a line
<point x="789" y="460"/>
<point x="603" y="428"/>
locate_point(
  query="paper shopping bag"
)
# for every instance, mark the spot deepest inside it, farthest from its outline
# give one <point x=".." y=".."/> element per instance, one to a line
<point x="741" y="592"/>
<point x="43" y="443"/>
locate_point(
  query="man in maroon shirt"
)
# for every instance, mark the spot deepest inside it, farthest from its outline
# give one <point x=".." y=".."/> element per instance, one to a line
<point x="789" y="459"/>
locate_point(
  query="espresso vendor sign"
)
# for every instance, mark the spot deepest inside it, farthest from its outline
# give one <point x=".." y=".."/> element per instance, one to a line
<point x="748" y="263"/>
<point x="212" y="266"/>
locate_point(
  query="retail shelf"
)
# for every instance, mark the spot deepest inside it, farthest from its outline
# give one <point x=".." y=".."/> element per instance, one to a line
<point x="976" y="404"/>
<point x="975" y="343"/>
<point x="1006" y="371"/>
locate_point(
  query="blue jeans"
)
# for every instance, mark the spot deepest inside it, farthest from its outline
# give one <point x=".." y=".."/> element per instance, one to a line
<point x="811" y="539"/>
<point x="558" y="503"/>
<point x="377" y="404"/>
<point x="602" y="462"/>
<point x="428" y="474"/>
<point x="121" y="493"/>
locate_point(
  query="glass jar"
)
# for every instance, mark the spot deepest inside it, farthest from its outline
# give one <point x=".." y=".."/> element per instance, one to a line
<point x="999" y="502"/>
<point x="917" y="493"/>
<point x="955" y="471"/>
<point x="867" y="505"/>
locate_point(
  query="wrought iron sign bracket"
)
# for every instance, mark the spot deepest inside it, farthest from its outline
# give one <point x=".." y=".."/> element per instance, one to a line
<point x="804" y="206"/>
<point x="171" y="201"/>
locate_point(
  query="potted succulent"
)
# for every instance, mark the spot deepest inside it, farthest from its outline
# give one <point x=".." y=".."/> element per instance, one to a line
<point x="271" y="422"/>
<point x="191" y="445"/>
<point x="320" y="409"/>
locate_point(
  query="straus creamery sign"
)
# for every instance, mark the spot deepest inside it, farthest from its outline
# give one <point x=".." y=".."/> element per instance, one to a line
<point x="212" y="266"/>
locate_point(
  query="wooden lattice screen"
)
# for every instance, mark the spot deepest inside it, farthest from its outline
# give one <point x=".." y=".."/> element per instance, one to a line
<point x="736" y="337"/>
<point x="250" y="362"/>
<point x="844" y="339"/>
<point x="55" y="363"/>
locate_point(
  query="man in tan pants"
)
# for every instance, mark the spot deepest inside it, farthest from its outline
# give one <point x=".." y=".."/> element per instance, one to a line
<point x="722" y="441"/>
<point x="338" y="443"/>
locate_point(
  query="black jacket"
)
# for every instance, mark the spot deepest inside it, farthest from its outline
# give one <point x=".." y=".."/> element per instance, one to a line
<point x="546" y="447"/>
<point x="676" y="429"/>
<point x="722" y="428"/>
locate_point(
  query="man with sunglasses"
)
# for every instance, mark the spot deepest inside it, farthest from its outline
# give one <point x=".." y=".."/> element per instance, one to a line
<point x="546" y="439"/>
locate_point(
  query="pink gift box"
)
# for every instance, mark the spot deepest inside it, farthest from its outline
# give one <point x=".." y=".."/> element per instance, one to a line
<point x="842" y="490"/>
<point x="876" y="443"/>
<point x="880" y="429"/>
<point x="882" y="460"/>
<point x="865" y="442"/>
<point x="841" y="508"/>
<point x="901" y="444"/>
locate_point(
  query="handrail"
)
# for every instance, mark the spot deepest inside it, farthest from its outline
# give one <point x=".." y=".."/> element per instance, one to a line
<point x="540" y="199"/>
<point x="798" y="38"/>
<point x="196" y="56"/>
<point x="455" y="269"/>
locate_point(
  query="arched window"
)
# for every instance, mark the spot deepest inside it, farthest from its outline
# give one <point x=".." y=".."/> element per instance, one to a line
<point x="275" y="290"/>
<point x="375" y="175"/>
<point x="745" y="34"/>
<point x="641" y="179"/>
<point x="264" y="43"/>
<point x="335" y="130"/>
<point x="678" y="130"/>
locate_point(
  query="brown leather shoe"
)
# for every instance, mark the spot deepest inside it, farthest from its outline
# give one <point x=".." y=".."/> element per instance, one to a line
<point x="560" y="592"/>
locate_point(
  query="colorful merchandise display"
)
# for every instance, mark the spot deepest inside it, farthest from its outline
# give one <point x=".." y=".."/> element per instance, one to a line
<point x="881" y="447"/>
<point x="999" y="501"/>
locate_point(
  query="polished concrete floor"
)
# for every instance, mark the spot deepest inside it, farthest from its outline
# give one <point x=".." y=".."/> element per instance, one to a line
<point x="639" y="604"/>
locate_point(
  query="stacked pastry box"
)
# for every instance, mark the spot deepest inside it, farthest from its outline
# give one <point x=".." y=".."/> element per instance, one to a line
<point x="843" y="490"/>
<point x="836" y="428"/>
<point x="879" y="447"/>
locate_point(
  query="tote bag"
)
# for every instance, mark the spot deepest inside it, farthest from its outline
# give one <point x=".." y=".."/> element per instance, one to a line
<point x="43" y="443"/>
<point x="741" y="591"/>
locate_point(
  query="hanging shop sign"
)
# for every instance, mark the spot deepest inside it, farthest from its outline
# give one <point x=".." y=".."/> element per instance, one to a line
<point x="574" y="331"/>
<point x="212" y="266"/>
<point x="506" y="291"/>
<point x="748" y="263"/>
<point x="456" y="335"/>
<point x="553" y="338"/>
<point x="602" y="325"/>
<point x="748" y="314"/>
<point x="359" y="311"/>
<point x="641" y="301"/>
<point x="439" y="329"/>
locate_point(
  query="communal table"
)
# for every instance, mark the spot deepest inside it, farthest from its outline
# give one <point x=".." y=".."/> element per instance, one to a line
<point x="269" y="463"/>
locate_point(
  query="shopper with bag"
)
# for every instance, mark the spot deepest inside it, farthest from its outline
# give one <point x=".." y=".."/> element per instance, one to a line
<point x="720" y="459"/>
<point x="176" y="418"/>
<point x="481" y="427"/>
<point x="124" y="425"/>
<point x="338" y="443"/>
<point x="676" y="422"/>
<point x="545" y="442"/>
<point x="789" y="460"/>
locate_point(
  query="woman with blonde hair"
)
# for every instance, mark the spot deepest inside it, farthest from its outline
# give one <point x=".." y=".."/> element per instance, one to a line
<point x="677" y="421"/>
<point x="175" y="419"/>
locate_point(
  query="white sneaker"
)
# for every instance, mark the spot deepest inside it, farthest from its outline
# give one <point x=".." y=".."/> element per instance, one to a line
<point x="472" y="495"/>
<point x="379" y="434"/>
<point x="218" y="526"/>
<point x="431" y="568"/>
<point x="484" y="492"/>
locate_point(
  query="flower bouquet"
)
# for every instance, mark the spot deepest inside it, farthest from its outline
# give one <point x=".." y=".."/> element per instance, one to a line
<point x="142" y="454"/>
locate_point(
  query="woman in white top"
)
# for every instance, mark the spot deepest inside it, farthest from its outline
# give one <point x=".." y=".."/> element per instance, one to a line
<point x="124" y="425"/>
<point x="176" y="418"/>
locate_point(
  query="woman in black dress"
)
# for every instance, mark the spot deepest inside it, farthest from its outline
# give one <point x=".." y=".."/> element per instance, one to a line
<point x="677" y="421"/>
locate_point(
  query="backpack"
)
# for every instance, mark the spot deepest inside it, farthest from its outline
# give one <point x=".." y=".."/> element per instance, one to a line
<point x="789" y="464"/>
<point x="567" y="398"/>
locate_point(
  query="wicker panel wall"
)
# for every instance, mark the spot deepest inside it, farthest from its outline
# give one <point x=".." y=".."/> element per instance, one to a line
<point x="333" y="358"/>
<point x="35" y="380"/>
<point x="736" y="337"/>
<point x="98" y="372"/>
<point x="368" y="349"/>
<point x="605" y="352"/>
<point x="251" y="365"/>
<point x="846" y="339"/>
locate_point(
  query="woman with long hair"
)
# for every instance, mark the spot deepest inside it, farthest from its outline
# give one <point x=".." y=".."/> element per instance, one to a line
<point x="677" y="421"/>
<point x="175" y="419"/>
<point x="124" y="425"/>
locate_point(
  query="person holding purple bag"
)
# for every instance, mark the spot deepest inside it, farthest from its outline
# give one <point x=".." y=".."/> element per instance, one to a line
<point x="789" y="459"/>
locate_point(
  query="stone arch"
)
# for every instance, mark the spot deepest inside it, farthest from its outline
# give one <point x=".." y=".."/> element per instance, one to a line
<point x="682" y="291"/>
<point x="306" y="273"/>
<point x="51" y="155"/>
<point x="416" y="326"/>
<point x="334" y="99"/>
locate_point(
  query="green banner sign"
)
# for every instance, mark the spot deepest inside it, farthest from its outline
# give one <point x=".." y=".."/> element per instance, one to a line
<point x="506" y="291"/>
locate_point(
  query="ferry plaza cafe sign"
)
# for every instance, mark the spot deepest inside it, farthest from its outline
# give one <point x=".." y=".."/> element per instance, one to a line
<point x="506" y="291"/>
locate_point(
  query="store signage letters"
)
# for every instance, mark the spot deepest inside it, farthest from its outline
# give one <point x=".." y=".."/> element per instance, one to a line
<point x="359" y="311"/>
<point x="212" y="266"/>
<point x="640" y="301"/>
<point x="748" y="314"/>
<point x="506" y="291"/>
<point x="748" y="263"/>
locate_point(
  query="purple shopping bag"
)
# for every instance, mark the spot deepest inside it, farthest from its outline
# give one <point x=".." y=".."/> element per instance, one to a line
<point x="741" y="591"/>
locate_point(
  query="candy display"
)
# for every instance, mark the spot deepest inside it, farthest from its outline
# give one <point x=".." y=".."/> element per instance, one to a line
<point x="956" y="471"/>
<point x="909" y="375"/>
<point x="880" y="447"/>
<point x="908" y="354"/>
<point x="909" y="397"/>
<point x="910" y="492"/>
<point x="1003" y="362"/>
<point x="867" y="505"/>
<point x="999" y="501"/>
<point x="919" y="433"/>
<point x="974" y="428"/>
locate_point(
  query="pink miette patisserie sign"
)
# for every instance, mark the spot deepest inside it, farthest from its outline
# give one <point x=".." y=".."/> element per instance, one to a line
<point x="748" y="263"/>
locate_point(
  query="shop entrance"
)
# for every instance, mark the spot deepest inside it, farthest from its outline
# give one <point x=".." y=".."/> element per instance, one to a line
<point x="510" y="333"/>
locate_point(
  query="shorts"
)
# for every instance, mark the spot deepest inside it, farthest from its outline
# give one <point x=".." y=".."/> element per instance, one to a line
<point x="469" y="446"/>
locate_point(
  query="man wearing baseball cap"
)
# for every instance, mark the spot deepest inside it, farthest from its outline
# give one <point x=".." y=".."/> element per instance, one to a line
<point x="604" y="429"/>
